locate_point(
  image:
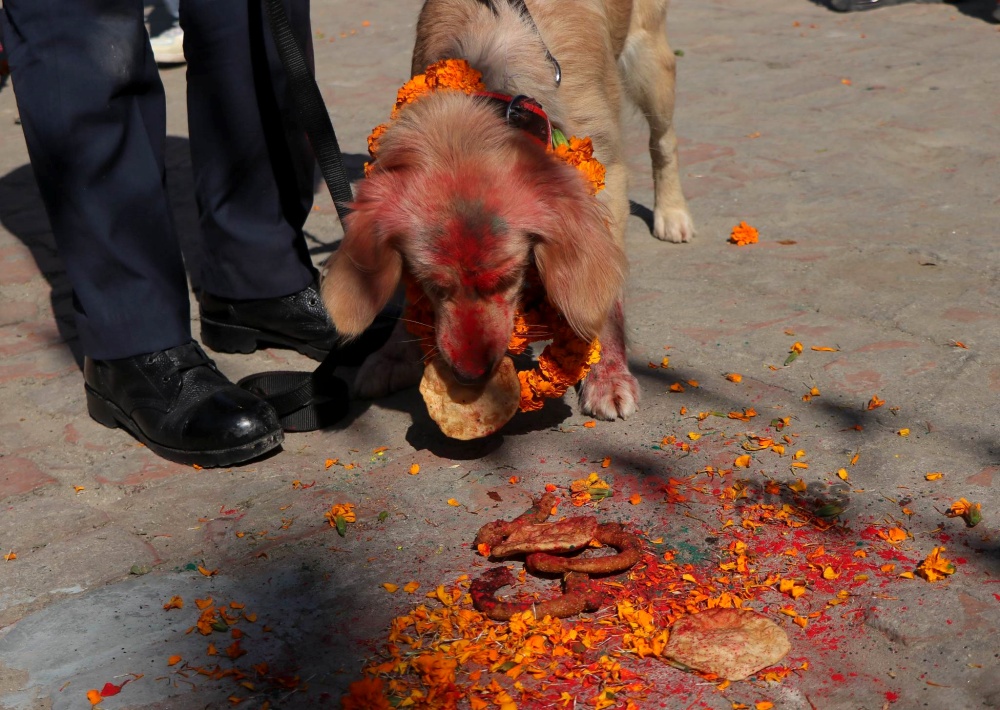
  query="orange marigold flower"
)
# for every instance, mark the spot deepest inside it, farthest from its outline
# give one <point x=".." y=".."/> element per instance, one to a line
<point x="579" y="152"/>
<point x="971" y="513"/>
<point x="935" y="567"/>
<point x="743" y="234"/>
<point x="340" y="510"/>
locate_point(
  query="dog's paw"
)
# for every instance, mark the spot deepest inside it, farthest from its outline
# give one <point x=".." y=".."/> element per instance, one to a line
<point x="673" y="224"/>
<point x="394" y="367"/>
<point x="609" y="393"/>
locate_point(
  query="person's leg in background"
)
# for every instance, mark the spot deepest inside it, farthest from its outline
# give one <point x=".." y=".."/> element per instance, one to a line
<point x="95" y="131"/>
<point x="253" y="172"/>
<point x="93" y="112"/>
<point x="168" y="45"/>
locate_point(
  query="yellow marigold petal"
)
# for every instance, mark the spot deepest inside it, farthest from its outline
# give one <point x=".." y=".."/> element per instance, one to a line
<point x="414" y="469"/>
<point x="635" y="499"/>
<point x="453" y="502"/>
<point x="799" y="486"/>
<point x="734" y="377"/>
<point x="743" y="461"/>
<point x="390" y="587"/>
<point x="174" y="660"/>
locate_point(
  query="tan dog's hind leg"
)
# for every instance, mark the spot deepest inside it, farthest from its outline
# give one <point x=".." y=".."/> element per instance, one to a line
<point x="648" y="69"/>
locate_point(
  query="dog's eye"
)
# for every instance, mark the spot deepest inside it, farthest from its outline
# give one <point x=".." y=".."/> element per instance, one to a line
<point x="509" y="282"/>
<point x="436" y="291"/>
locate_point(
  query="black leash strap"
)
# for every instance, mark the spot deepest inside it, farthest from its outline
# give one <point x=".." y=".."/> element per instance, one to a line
<point x="312" y="111"/>
<point x="305" y="401"/>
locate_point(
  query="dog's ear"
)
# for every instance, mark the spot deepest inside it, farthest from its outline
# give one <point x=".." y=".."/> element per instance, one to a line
<point x="364" y="272"/>
<point x="580" y="262"/>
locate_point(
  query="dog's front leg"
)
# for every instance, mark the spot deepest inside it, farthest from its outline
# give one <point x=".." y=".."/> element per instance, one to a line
<point x="395" y="366"/>
<point x="610" y="390"/>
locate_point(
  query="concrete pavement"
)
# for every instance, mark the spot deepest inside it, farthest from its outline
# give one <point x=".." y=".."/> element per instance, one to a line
<point x="862" y="146"/>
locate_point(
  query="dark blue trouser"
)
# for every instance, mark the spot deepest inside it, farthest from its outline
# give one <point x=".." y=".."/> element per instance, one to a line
<point x="93" y="111"/>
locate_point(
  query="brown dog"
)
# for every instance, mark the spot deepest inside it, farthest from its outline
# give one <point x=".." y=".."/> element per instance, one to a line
<point x="465" y="202"/>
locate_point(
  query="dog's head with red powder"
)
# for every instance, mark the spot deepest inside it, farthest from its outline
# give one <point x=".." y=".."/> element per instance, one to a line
<point x="465" y="203"/>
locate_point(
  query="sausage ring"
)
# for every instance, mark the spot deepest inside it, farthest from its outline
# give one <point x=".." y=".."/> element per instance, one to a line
<point x="612" y="534"/>
<point x="578" y="595"/>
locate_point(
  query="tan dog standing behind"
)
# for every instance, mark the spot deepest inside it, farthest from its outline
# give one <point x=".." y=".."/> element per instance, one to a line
<point x="466" y="203"/>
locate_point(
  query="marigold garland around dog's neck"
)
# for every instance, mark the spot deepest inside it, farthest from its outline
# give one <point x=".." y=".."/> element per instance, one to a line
<point x="568" y="358"/>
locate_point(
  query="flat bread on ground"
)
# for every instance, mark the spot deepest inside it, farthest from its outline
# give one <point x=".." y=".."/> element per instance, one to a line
<point x="465" y="412"/>
<point x="731" y="643"/>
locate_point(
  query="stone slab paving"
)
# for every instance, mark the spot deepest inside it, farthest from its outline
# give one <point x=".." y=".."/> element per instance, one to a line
<point x="864" y="149"/>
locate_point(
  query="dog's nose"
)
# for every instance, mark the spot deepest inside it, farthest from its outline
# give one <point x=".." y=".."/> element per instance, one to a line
<point x="477" y="377"/>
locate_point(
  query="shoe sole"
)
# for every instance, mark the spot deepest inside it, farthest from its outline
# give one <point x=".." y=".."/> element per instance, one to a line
<point x="106" y="412"/>
<point x="228" y="338"/>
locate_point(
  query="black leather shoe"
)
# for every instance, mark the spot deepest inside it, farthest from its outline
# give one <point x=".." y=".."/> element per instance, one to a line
<point x="178" y="404"/>
<point x="299" y="321"/>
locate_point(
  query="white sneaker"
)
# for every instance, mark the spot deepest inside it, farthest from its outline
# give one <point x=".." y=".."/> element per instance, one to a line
<point x="168" y="46"/>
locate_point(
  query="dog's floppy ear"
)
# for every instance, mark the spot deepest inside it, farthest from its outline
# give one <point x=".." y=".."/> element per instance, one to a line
<point x="579" y="260"/>
<point x="363" y="273"/>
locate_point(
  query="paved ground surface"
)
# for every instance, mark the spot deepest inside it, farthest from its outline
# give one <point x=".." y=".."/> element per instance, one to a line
<point x="863" y="147"/>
